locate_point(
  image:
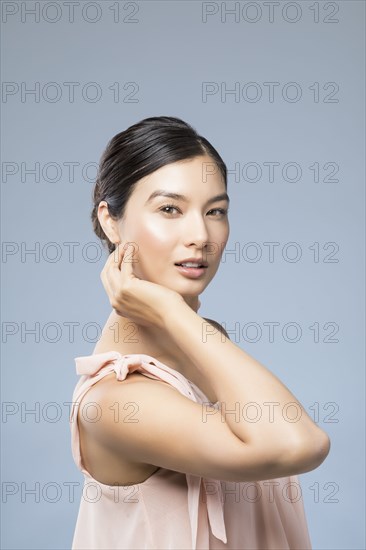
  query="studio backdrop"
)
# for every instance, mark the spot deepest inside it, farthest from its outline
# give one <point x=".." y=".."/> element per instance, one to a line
<point x="278" y="88"/>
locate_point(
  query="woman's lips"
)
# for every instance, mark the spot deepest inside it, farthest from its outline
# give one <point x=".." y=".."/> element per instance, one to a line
<point x="191" y="272"/>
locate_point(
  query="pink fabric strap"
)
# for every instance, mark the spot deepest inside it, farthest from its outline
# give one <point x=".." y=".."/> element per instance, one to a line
<point x="91" y="365"/>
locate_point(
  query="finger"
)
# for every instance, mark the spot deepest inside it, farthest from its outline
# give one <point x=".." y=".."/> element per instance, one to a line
<point x="112" y="269"/>
<point x="111" y="277"/>
<point x="118" y="270"/>
<point x="127" y="260"/>
<point x="115" y="258"/>
<point x="112" y="260"/>
<point x="121" y="271"/>
<point x="111" y="264"/>
<point x="117" y="255"/>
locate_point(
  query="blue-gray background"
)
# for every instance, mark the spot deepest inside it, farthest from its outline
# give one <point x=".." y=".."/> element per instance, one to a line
<point x="158" y="56"/>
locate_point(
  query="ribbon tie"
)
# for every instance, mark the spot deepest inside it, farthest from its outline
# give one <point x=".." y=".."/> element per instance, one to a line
<point x="98" y="365"/>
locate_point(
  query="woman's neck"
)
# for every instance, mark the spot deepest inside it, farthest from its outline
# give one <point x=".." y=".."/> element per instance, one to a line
<point x="127" y="337"/>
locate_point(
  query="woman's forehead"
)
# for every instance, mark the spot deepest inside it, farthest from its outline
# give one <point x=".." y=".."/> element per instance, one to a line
<point x="182" y="177"/>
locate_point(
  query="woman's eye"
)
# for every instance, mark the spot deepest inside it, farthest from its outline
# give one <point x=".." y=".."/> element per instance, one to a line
<point x="168" y="207"/>
<point x="220" y="211"/>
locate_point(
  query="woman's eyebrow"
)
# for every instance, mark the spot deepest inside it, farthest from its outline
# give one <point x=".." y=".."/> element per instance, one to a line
<point x="177" y="196"/>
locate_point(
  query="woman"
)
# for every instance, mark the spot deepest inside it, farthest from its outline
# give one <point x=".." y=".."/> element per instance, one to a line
<point x="184" y="439"/>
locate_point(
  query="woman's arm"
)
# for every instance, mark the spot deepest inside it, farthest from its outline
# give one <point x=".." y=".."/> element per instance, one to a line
<point x="217" y="325"/>
<point x="274" y="420"/>
<point x="263" y="415"/>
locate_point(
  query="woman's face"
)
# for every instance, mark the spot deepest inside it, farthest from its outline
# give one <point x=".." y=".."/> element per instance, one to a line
<point x="168" y="230"/>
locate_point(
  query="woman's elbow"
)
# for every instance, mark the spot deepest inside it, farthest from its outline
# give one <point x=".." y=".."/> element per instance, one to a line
<point x="310" y="454"/>
<point x="323" y="447"/>
<point x="296" y="457"/>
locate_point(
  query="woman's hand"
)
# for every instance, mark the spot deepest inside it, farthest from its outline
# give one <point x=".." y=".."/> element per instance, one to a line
<point x="141" y="301"/>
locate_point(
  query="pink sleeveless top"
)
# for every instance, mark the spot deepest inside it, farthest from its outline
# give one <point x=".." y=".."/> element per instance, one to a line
<point x="171" y="510"/>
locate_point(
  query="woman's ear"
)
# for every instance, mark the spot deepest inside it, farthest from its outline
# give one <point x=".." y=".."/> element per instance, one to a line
<point x="108" y="224"/>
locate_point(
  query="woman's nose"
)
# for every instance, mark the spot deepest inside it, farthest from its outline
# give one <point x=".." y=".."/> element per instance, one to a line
<point x="195" y="231"/>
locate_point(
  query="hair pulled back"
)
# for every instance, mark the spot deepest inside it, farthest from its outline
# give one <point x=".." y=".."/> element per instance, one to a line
<point x="137" y="152"/>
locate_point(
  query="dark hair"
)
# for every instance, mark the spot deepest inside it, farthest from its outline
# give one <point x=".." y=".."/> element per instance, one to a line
<point x="137" y="152"/>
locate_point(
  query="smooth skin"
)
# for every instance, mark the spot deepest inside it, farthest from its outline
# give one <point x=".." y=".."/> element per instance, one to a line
<point x="155" y="313"/>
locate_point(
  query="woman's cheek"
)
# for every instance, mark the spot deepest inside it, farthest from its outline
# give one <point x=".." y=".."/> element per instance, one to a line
<point x="153" y="245"/>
